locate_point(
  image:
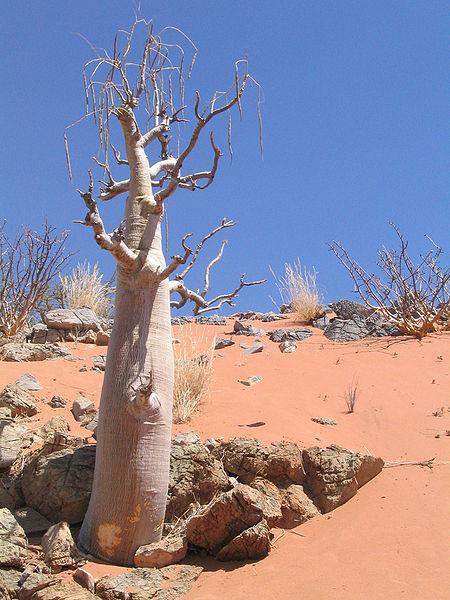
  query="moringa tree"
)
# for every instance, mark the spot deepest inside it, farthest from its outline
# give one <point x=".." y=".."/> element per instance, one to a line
<point x="129" y="493"/>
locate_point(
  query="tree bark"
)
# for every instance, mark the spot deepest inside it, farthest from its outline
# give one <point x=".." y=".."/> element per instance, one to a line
<point x="128" y="500"/>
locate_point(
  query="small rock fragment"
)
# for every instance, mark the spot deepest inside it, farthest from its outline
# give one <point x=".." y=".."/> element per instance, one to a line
<point x="83" y="409"/>
<point x="57" y="402"/>
<point x="169" y="551"/>
<point x="28" y="382"/>
<point x="287" y="347"/>
<point x="59" y="548"/>
<point x="223" y="343"/>
<point x="252" y="380"/>
<point x="323" y="421"/>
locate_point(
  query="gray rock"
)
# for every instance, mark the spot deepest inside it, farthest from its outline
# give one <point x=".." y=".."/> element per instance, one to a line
<point x="322" y="322"/>
<point x="289" y="335"/>
<point x="30" y="520"/>
<point x="359" y="327"/>
<point x="18" y="400"/>
<point x="59" y="485"/>
<point x="41" y="334"/>
<point x="13" y="541"/>
<point x="72" y="319"/>
<point x="242" y="329"/>
<point x="13" y="439"/>
<point x="334" y="474"/>
<point x="181" y="320"/>
<point x="223" y="343"/>
<point x="29" y="382"/>
<point x="323" y="421"/>
<point x="167" y="583"/>
<point x="287" y="347"/>
<point x="346" y="309"/>
<point x="59" y="548"/>
<point x="99" y="362"/>
<point x="250" y="381"/>
<point x="57" y="424"/>
<point x="22" y="352"/>
<point x="83" y="409"/>
<point x="211" y="320"/>
<point x="286" y="308"/>
<point x="33" y="583"/>
<point x="195" y="475"/>
<point x="10" y="492"/>
<point x="254" y="349"/>
<point x="57" y="402"/>
<point x="258" y="316"/>
<point x="9" y="583"/>
<point x="169" y="551"/>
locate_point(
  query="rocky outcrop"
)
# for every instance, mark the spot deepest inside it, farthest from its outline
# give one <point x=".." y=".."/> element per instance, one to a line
<point x="13" y="541"/>
<point x="18" y="400"/>
<point x="359" y="327"/>
<point x="72" y="319"/>
<point x="23" y="352"/>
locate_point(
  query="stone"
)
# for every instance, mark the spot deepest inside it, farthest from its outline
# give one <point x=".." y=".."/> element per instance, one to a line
<point x="30" y="520"/>
<point x="346" y="309"/>
<point x="88" y="337"/>
<point x="59" y="548"/>
<point x="22" y="352"/>
<point x="85" y="579"/>
<point x="83" y="409"/>
<point x="167" y="583"/>
<point x="223" y="343"/>
<point x="99" y="362"/>
<point x="41" y="334"/>
<point x="13" y="541"/>
<point x="57" y="424"/>
<point x="322" y="322"/>
<point x="9" y="583"/>
<point x="252" y="380"/>
<point x="359" y="327"/>
<point x="181" y="320"/>
<point x="334" y="474"/>
<point x="248" y="458"/>
<point x="211" y="320"/>
<point x="65" y="589"/>
<point x="18" y="400"/>
<point x="286" y="308"/>
<point x="296" y="507"/>
<point x="254" y="349"/>
<point x="34" y="582"/>
<point x="5" y="412"/>
<point x="323" y="421"/>
<point x="289" y="335"/>
<point x="102" y="338"/>
<point x="59" y="485"/>
<point x="251" y="544"/>
<point x="13" y="439"/>
<point x="72" y="319"/>
<point x="169" y="551"/>
<point x="272" y="501"/>
<point x="287" y="347"/>
<point x="10" y="492"/>
<point x="29" y="382"/>
<point x="242" y="329"/>
<point x="196" y="475"/>
<point x="57" y="402"/>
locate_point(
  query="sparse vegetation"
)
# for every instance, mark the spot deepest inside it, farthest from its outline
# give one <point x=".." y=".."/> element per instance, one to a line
<point x="412" y="295"/>
<point x="84" y="287"/>
<point x="351" y="395"/>
<point x="193" y="371"/>
<point x="28" y="265"/>
<point x="298" y="287"/>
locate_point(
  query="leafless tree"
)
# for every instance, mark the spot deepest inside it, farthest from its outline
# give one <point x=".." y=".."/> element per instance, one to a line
<point x="28" y="264"/>
<point x="414" y="296"/>
<point x="145" y="91"/>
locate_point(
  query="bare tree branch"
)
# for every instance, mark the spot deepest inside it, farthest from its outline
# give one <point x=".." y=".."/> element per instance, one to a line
<point x="177" y="260"/>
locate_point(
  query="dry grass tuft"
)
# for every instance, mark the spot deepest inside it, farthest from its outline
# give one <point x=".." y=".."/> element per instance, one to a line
<point x="298" y="287"/>
<point x="351" y="395"/>
<point x="84" y="287"/>
<point x="193" y="371"/>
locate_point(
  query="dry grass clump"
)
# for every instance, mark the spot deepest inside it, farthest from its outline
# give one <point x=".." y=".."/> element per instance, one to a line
<point x="193" y="371"/>
<point x="298" y="287"/>
<point x="351" y="395"/>
<point x="84" y="287"/>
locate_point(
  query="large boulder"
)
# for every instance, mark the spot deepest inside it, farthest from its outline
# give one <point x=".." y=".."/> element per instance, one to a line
<point x="18" y="400"/>
<point x="13" y="438"/>
<point x="247" y="458"/>
<point x="359" y="327"/>
<point x="72" y="319"/>
<point x="195" y="475"/>
<point x="23" y="352"/>
<point x="13" y="541"/>
<point x="41" y="334"/>
<point x="167" y="583"/>
<point x="334" y="474"/>
<point x="296" y="507"/>
<point x="59" y="485"/>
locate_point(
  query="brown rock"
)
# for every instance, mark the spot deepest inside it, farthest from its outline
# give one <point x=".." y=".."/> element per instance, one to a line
<point x="251" y="544"/>
<point x="63" y="590"/>
<point x="18" y="400"/>
<point x="13" y="541"/>
<point x="59" y="548"/>
<point x="30" y="520"/>
<point x="85" y="579"/>
<point x="13" y="438"/>
<point x="296" y="507"/>
<point x="169" y="551"/>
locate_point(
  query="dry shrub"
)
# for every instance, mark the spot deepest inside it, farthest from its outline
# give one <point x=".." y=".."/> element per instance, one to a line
<point x="193" y="371"/>
<point x="351" y="395"/>
<point x="298" y="287"/>
<point x="84" y="287"/>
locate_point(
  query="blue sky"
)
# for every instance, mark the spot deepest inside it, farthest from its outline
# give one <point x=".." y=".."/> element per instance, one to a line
<point x="355" y="117"/>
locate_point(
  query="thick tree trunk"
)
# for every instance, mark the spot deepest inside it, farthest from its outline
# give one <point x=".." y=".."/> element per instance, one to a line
<point x="128" y="500"/>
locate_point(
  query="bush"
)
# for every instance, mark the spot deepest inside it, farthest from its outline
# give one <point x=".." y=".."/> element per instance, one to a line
<point x="84" y="287"/>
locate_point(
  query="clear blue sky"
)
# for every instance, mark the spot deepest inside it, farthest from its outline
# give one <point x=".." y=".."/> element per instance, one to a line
<point x="355" y="126"/>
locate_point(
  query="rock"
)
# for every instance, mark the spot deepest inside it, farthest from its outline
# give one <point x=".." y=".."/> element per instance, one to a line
<point x="287" y="347"/>
<point x="346" y="309"/>
<point x="334" y="474"/>
<point x="252" y="380"/>
<point x="289" y="335"/>
<point x="89" y="337"/>
<point x="9" y="583"/>
<point x="41" y="334"/>
<point x="59" y="548"/>
<point x="323" y="421"/>
<point x="253" y="315"/>
<point x="359" y="327"/>
<point x="59" y="485"/>
<point x="22" y="352"/>
<point x="254" y="349"/>
<point x="83" y="409"/>
<point x="99" y="362"/>
<point x="226" y="517"/>
<point x="30" y="520"/>
<point x="57" y="424"/>
<point x="5" y="412"/>
<point x="169" y="551"/>
<point x="72" y="319"/>
<point x="195" y="475"/>
<point x="102" y="338"/>
<point x="272" y="501"/>
<point x="85" y="579"/>
<point x="211" y="320"/>
<point x="223" y="343"/>
<point x="34" y="582"/>
<point x="18" y="400"/>
<point x="181" y="320"/>
<point x="57" y="402"/>
<point x="29" y="382"/>
<point x="13" y="438"/>
<point x="296" y="507"/>
<point x="63" y="590"/>
<point x="13" y="541"/>
<point x="242" y="329"/>
<point x="286" y="308"/>
<point x="247" y="458"/>
<point x="251" y="544"/>
<point x="167" y="583"/>
<point x="322" y="322"/>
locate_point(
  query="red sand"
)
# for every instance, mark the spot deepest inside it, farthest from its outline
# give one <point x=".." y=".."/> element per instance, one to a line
<point x="391" y="541"/>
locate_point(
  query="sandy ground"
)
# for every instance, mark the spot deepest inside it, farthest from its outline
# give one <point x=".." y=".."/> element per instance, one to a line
<point x="389" y="542"/>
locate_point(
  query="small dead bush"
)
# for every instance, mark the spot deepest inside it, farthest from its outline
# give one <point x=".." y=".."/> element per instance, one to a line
<point x="351" y="395"/>
<point x="193" y="371"/>
<point x="84" y="287"/>
<point x="298" y="287"/>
